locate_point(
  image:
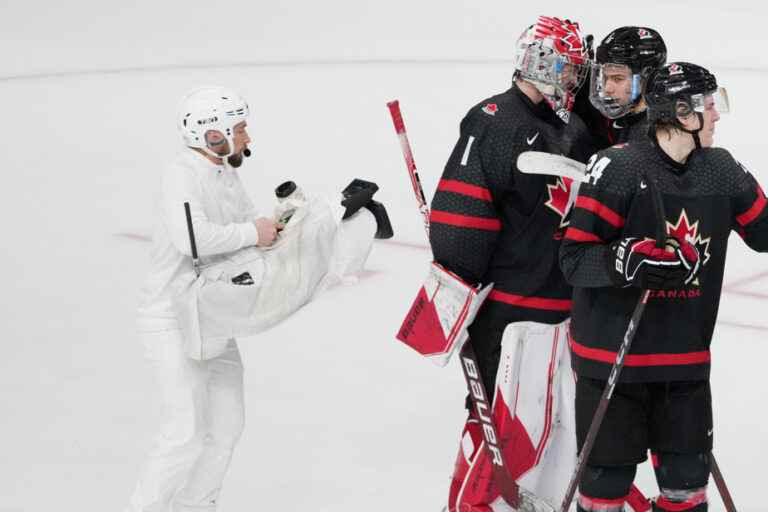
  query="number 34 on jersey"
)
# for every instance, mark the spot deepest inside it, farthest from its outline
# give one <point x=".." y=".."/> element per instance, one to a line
<point x="595" y="168"/>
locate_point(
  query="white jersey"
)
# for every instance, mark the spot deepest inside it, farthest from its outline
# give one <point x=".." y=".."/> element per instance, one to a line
<point x="222" y="217"/>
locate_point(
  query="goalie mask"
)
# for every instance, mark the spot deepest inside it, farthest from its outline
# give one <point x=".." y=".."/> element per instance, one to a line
<point x="210" y="108"/>
<point x="553" y="56"/>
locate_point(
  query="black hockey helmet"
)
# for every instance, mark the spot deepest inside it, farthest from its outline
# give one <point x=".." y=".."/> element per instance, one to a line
<point x="640" y="48"/>
<point x="639" y="51"/>
<point x="678" y="90"/>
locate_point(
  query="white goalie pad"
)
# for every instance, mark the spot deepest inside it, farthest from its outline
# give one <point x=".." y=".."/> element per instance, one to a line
<point x="436" y="324"/>
<point x="538" y="387"/>
<point x="534" y="414"/>
<point x="314" y="251"/>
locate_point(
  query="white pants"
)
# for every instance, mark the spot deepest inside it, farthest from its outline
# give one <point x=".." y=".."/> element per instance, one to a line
<point x="202" y="419"/>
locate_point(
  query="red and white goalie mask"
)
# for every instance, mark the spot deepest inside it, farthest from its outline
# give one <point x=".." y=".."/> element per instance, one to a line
<point x="554" y="56"/>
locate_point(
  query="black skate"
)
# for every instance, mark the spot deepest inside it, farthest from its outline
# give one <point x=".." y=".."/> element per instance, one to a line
<point x="359" y="194"/>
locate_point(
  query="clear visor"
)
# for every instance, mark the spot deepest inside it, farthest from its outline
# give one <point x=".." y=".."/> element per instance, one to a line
<point x="717" y="100"/>
<point x="614" y="89"/>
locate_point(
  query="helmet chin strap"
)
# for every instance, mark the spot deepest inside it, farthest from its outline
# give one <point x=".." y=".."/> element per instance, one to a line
<point x="695" y="133"/>
<point x="230" y="143"/>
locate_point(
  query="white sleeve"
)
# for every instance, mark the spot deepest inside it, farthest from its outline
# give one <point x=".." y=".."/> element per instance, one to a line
<point x="246" y="204"/>
<point x="180" y="186"/>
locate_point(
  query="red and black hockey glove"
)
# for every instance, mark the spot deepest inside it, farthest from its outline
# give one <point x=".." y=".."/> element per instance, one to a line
<point x="639" y="263"/>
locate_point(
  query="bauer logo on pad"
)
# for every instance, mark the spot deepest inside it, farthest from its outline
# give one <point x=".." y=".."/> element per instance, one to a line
<point x="436" y="324"/>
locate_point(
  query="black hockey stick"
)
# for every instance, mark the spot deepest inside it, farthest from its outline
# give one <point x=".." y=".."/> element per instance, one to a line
<point x="192" y="244"/>
<point x="725" y="494"/>
<point x="618" y="365"/>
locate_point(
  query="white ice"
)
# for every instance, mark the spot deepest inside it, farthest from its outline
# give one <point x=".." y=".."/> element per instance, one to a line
<point x="340" y="416"/>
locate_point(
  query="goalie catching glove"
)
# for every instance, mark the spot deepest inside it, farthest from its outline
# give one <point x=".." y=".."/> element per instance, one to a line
<point x="638" y="262"/>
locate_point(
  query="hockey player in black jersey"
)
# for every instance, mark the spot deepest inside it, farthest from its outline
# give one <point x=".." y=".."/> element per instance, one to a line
<point x="662" y="401"/>
<point x="492" y="224"/>
<point x="612" y="105"/>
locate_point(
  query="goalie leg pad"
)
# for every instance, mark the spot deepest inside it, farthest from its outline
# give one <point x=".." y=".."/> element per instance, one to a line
<point x="533" y="413"/>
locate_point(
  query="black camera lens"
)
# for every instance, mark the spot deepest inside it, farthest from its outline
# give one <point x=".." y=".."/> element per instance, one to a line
<point x="285" y="189"/>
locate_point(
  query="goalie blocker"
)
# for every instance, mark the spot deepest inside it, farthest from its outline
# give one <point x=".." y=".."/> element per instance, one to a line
<point x="436" y="324"/>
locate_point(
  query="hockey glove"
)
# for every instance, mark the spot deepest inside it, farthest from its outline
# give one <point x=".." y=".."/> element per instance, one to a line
<point x="639" y="263"/>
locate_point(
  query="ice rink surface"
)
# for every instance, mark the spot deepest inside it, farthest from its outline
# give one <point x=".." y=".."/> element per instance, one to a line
<point x="340" y="417"/>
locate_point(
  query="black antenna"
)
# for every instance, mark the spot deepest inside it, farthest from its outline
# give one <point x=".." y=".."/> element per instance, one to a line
<point x="192" y="244"/>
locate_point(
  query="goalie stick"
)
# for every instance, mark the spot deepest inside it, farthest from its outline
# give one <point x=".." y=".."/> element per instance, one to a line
<point x="518" y="497"/>
<point x="405" y="146"/>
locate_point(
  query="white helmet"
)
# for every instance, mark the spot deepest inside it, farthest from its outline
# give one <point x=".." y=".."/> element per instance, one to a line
<point x="210" y="108"/>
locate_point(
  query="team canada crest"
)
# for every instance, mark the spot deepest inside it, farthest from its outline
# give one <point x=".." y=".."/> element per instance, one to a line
<point x="675" y="69"/>
<point x="491" y="109"/>
<point x="683" y="229"/>
<point x="559" y="198"/>
<point x="644" y="34"/>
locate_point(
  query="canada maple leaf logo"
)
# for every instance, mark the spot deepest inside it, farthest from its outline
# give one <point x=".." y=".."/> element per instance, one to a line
<point x="685" y="230"/>
<point x="491" y="109"/>
<point x="559" y="197"/>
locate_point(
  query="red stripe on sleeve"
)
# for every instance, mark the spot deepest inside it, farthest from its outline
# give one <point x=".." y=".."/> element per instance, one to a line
<point x="530" y="302"/>
<point x="756" y="209"/>
<point x="607" y="356"/>
<point x="465" y="221"/>
<point x="599" y="209"/>
<point x="581" y="236"/>
<point x="465" y="189"/>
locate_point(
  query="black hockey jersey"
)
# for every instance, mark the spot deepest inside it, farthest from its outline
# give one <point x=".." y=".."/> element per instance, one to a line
<point x="704" y="200"/>
<point x="491" y="223"/>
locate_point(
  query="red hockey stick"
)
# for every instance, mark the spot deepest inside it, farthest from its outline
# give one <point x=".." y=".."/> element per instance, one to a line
<point x="397" y="119"/>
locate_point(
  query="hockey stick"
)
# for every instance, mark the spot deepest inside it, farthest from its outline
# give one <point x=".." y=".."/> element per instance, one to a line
<point x="538" y="162"/>
<point x="192" y="244"/>
<point x="618" y="365"/>
<point x="725" y="494"/>
<point x="405" y="146"/>
<point x="518" y="497"/>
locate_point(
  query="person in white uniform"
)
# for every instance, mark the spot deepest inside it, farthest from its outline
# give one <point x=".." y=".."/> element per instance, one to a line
<point x="202" y="397"/>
